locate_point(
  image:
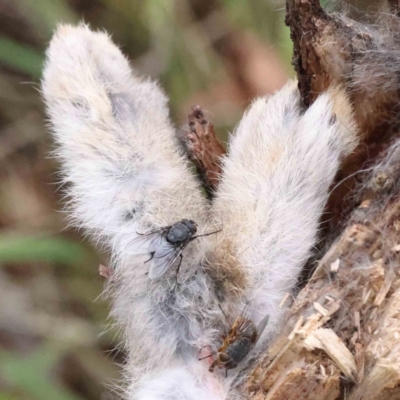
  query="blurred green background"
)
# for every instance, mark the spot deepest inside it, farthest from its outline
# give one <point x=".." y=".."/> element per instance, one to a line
<point x="55" y="342"/>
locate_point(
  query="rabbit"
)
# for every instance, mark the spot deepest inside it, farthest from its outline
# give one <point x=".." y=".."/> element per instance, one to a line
<point x="125" y="175"/>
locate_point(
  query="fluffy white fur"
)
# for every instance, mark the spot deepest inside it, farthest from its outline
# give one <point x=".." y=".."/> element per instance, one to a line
<point x="189" y="381"/>
<point x="124" y="173"/>
<point x="274" y="187"/>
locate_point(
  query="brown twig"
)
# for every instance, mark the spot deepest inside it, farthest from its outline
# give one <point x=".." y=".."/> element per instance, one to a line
<point x="203" y="148"/>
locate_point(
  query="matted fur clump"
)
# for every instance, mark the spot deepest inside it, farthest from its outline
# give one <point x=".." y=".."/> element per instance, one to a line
<point x="126" y="174"/>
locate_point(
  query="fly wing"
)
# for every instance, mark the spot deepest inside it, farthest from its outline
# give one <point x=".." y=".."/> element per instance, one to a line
<point x="164" y="257"/>
<point x="146" y="243"/>
<point x="244" y="327"/>
<point x="261" y="326"/>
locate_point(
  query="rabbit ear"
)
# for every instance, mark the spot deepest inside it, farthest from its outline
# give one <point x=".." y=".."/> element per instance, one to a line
<point x="274" y="186"/>
<point x="125" y="174"/>
<point x="119" y="150"/>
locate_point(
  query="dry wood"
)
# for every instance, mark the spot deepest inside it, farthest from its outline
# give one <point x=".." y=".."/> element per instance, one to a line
<point x="203" y="148"/>
<point x="105" y="272"/>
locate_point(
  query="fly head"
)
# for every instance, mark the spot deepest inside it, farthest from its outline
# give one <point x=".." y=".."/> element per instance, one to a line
<point x="191" y="225"/>
<point x="181" y="232"/>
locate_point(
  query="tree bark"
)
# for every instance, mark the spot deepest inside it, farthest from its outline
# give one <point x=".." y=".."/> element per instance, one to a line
<point x="331" y="49"/>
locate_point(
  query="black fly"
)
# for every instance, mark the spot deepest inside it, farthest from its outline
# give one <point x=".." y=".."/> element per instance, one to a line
<point x="238" y="342"/>
<point x="165" y="245"/>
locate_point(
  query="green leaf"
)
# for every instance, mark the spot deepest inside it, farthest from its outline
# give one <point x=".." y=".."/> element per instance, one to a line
<point x="45" y="249"/>
<point x="33" y="373"/>
<point x="44" y="15"/>
<point x="20" y="57"/>
<point x="8" y="396"/>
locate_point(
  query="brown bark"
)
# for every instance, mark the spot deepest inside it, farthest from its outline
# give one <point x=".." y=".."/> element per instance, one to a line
<point x="203" y="148"/>
<point x="329" y="49"/>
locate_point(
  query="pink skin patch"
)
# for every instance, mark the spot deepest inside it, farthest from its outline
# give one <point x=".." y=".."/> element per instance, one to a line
<point x="205" y="353"/>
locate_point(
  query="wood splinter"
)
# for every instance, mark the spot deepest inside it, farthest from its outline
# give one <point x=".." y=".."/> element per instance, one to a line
<point x="203" y="148"/>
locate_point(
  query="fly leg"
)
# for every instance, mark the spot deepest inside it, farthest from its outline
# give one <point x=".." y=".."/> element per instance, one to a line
<point x="212" y="366"/>
<point x="229" y="365"/>
<point x="151" y="257"/>
<point x="201" y="348"/>
<point x="179" y="266"/>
